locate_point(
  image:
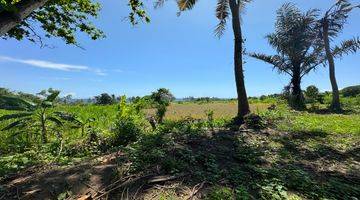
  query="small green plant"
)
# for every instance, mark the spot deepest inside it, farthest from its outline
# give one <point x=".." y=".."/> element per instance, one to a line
<point x="273" y="190"/>
<point x="220" y="193"/>
<point x="129" y="124"/>
<point x="37" y="116"/>
<point x="241" y="193"/>
<point x="210" y="118"/>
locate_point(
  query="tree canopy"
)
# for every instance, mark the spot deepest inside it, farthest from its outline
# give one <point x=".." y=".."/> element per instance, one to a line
<point x="57" y="18"/>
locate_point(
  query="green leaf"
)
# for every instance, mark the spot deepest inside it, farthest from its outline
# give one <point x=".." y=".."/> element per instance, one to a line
<point x="12" y="125"/>
<point x="15" y="103"/>
<point x="14" y="116"/>
<point x="66" y="116"/>
<point x="53" y="96"/>
<point x="55" y="120"/>
<point x="46" y="104"/>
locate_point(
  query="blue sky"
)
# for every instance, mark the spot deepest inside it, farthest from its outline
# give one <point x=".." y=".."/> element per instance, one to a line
<point x="179" y="53"/>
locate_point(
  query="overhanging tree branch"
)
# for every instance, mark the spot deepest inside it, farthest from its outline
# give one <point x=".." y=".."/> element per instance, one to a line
<point x="10" y="19"/>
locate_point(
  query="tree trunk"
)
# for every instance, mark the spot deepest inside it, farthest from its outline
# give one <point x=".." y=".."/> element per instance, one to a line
<point x="296" y="99"/>
<point x="335" y="104"/>
<point x="243" y="104"/>
<point x="9" y="20"/>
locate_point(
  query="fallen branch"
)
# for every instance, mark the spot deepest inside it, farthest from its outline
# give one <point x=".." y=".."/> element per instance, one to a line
<point x="196" y="189"/>
<point x="158" y="179"/>
<point x="128" y="182"/>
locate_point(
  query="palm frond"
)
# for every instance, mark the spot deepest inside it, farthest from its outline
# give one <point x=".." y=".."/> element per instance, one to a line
<point x="278" y="62"/>
<point x="337" y="15"/>
<point x="347" y="47"/>
<point x="222" y="13"/>
<point x="186" y="4"/>
<point x="159" y="3"/>
<point x="14" y="116"/>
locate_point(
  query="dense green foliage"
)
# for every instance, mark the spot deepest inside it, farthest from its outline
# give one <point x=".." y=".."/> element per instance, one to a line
<point x="351" y="91"/>
<point x="63" y="19"/>
<point x="188" y="144"/>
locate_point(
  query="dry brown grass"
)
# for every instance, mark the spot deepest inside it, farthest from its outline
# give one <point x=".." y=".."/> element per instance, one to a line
<point x="198" y="111"/>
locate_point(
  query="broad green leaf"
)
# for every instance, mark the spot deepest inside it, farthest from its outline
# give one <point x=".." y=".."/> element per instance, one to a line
<point x="14" y="116"/>
<point x="53" y="96"/>
<point x="15" y="103"/>
<point x="55" y="120"/>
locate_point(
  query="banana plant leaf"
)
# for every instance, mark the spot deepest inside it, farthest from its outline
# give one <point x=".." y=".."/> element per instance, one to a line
<point x="15" y="103"/>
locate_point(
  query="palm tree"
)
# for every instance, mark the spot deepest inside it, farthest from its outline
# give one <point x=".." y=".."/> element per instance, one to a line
<point x="295" y="42"/>
<point x="32" y="115"/>
<point x="223" y="9"/>
<point x="329" y="27"/>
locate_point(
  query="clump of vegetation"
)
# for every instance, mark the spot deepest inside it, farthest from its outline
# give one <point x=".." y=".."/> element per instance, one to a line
<point x="161" y="98"/>
<point x="312" y="95"/>
<point x="35" y="117"/>
<point x="254" y="121"/>
<point x="105" y="99"/>
<point x="129" y="124"/>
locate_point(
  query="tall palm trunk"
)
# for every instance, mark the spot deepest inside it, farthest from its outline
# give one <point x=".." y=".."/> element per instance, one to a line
<point x="243" y="104"/>
<point x="335" y="104"/>
<point x="297" y="100"/>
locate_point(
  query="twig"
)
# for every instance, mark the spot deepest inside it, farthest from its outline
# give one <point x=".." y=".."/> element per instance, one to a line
<point x="158" y="179"/>
<point x="137" y="191"/>
<point x="2" y="196"/>
<point x="91" y="187"/>
<point x="17" y="193"/>
<point x="128" y="182"/>
<point x="114" y="183"/>
<point x="196" y="190"/>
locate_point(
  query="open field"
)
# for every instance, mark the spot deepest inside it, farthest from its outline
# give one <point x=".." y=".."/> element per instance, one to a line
<point x="300" y="155"/>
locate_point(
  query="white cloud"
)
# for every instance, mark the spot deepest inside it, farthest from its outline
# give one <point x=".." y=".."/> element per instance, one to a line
<point x="73" y="94"/>
<point x="52" y="65"/>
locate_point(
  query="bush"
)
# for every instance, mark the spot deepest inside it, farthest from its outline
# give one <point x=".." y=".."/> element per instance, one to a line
<point x="254" y="121"/>
<point x="351" y="91"/>
<point x="311" y="94"/>
<point x="129" y="125"/>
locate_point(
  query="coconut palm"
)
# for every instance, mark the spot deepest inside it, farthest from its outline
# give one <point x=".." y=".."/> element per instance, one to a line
<point x="38" y="116"/>
<point x="329" y="27"/>
<point x="223" y="10"/>
<point x="294" y="40"/>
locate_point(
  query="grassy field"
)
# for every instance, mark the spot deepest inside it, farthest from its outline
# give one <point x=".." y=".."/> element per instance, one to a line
<point x="299" y="155"/>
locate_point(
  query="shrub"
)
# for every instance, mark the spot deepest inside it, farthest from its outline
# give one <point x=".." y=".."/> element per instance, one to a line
<point x="311" y="94"/>
<point x="129" y="124"/>
<point x="254" y="121"/>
